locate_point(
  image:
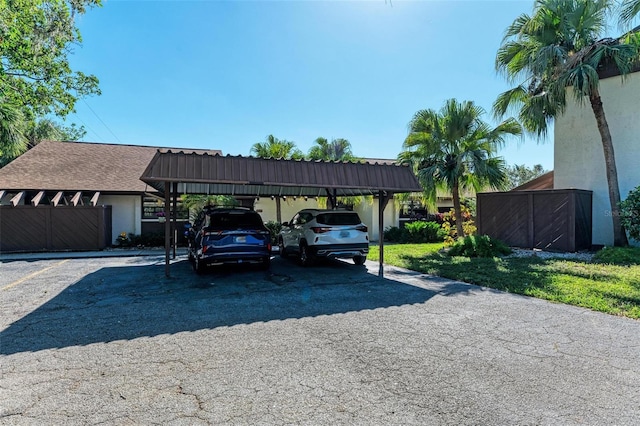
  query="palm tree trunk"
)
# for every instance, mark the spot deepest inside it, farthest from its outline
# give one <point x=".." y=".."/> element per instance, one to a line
<point x="619" y="235"/>
<point x="456" y="208"/>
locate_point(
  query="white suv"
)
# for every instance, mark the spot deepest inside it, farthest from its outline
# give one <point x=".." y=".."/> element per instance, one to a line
<point x="324" y="233"/>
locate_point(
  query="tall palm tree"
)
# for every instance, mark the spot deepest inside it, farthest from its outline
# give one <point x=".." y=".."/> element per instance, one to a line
<point x="336" y="150"/>
<point x="273" y="147"/>
<point x="560" y="46"/>
<point x="454" y="150"/>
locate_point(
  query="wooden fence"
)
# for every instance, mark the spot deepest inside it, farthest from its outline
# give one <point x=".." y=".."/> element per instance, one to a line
<point x="50" y="228"/>
<point x="555" y="219"/>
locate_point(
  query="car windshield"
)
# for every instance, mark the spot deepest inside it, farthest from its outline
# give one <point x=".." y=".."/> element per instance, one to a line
<point x="235" y="220"/>
<point x="346" y="218"/>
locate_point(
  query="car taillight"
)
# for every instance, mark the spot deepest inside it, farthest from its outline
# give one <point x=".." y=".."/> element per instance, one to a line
<point x="361" y="228"/>
<point x="320" y="229"/>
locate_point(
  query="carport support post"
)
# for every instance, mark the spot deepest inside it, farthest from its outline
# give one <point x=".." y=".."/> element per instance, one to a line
<point x="167" y="228"/>
<point x="174" y="221"/>
<point x="383" y="199"/>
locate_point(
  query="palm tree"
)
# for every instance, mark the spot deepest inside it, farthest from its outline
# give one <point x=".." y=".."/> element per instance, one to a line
<point x="12" y="126"/>
<point x="453" y="149"/>
<point x="560" y="47"/>
<point x="629" y="11"/>
<point x="336" y="150"/>
<point x="273" y="147"/>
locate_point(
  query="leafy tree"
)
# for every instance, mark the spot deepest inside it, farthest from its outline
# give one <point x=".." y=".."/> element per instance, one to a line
<point x="47" y="129"/>
<point x="453" y="149"/>
<point x="520" y="174"/>
<point x="273" y="147"/>
<point x="36" y="38"/>
<point x="336" y="150"/>
<point x="561" y="47"/>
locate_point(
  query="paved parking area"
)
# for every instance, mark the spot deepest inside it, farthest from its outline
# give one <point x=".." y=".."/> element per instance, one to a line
<point x="111" y="341"/>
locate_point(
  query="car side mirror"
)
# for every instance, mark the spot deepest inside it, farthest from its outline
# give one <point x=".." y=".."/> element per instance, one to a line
<point x="285" y="223"/>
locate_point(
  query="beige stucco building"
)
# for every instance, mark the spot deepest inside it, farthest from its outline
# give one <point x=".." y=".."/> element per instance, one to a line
<point x="578" y="156"/>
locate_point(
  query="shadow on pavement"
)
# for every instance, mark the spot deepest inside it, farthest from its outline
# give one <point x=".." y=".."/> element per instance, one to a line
<point x="122" y="303"/>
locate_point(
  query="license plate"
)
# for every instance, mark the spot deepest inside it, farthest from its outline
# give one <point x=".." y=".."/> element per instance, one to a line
<point x="344" y="234"/>
<point x="241" y="239"/>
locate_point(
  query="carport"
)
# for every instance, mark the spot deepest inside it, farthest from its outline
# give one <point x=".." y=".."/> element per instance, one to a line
<point x="174" y="173"/>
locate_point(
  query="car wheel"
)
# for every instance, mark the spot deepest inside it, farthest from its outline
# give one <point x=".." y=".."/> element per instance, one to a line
<point x="305" y="257"/>
<point x="282" y="249"/>
<point x="359" y="260"/>
<point x="198" y="266"/>
<point x="266" y="263"/>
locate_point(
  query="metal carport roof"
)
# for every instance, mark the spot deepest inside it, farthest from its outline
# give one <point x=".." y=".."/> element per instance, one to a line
<point x="193" y="173"/>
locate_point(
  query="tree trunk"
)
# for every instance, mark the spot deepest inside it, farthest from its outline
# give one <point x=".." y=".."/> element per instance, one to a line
<point x="456" y="208"/>
<point x="619" y="235"/>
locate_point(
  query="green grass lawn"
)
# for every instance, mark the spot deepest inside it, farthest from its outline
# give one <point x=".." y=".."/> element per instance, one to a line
<point x="605" y="287"/>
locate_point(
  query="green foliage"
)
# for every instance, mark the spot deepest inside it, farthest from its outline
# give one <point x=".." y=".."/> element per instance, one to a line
<point x="36" y="38"/>
<point x="630" y="213"/>
<point x="195" y="203"/>
<point x="273" y="147"/>
<point x="152" y="239"/>
<point x="12" y="127"/>
<point x="336" y="150"/>
<point x="618" y="256"/>
<point x="520" y="174"/>
<point x="424" y="232"/>
<point x="274" y="227"/>
<point x="415" y="232"/>
<point x="479" y="246"/>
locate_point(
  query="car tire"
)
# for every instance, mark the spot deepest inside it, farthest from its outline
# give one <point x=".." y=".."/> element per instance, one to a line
<point x="198" y="266"/>
<point x="305" y="257"/>
<point x="266" y="264"/>
<point x="359" y="260"/>
<point x="281" y="248"/>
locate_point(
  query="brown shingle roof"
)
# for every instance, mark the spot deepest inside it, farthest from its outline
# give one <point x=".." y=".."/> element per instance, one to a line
<point x="80" y="166"/>
<point x="237" y="175"/>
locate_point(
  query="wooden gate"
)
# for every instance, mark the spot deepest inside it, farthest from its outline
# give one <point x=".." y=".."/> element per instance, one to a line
<point x="555" y="219"/>
<point x="50" y="228"/>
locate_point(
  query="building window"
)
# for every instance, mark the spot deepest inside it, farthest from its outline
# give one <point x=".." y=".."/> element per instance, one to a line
<point x="151" y="206"/>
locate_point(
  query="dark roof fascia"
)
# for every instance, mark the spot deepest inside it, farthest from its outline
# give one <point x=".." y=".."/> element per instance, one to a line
<point x="237" y="175"/>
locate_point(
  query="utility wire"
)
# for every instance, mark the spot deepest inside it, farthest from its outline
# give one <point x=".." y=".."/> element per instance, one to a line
<point x="100" y="138"/>
<point x="103" y="123"/>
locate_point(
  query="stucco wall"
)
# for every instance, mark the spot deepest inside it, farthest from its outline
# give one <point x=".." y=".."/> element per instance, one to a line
<point x="126" y="214"/>
<point x="578" y="156"/>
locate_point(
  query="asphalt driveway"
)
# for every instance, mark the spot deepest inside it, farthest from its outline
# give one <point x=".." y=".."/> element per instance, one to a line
<point x="110" y="340"/>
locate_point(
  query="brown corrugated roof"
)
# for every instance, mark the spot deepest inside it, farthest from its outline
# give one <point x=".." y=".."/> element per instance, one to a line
<point x="80" y="166"/>
<point x="544" y="181"/>
<point x="237" y="175"/>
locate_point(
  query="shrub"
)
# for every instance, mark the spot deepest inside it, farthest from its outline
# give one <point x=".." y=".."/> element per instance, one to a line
<point x="479" y="246"/>
<point x="630" y="213"/>
<point x="618" y="256"/>
<point x="424" y="232"/>
<point x="153" y="239"/>
<point x="449" y="224"/>
<point x="394" y="234"/>
<point x="274" y="227"/>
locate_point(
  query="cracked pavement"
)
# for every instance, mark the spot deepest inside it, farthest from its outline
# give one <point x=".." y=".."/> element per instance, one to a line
<point x="112" y="341"/>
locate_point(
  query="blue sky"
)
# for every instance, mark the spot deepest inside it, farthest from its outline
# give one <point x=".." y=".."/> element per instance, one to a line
<point x="224" y="75"/>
